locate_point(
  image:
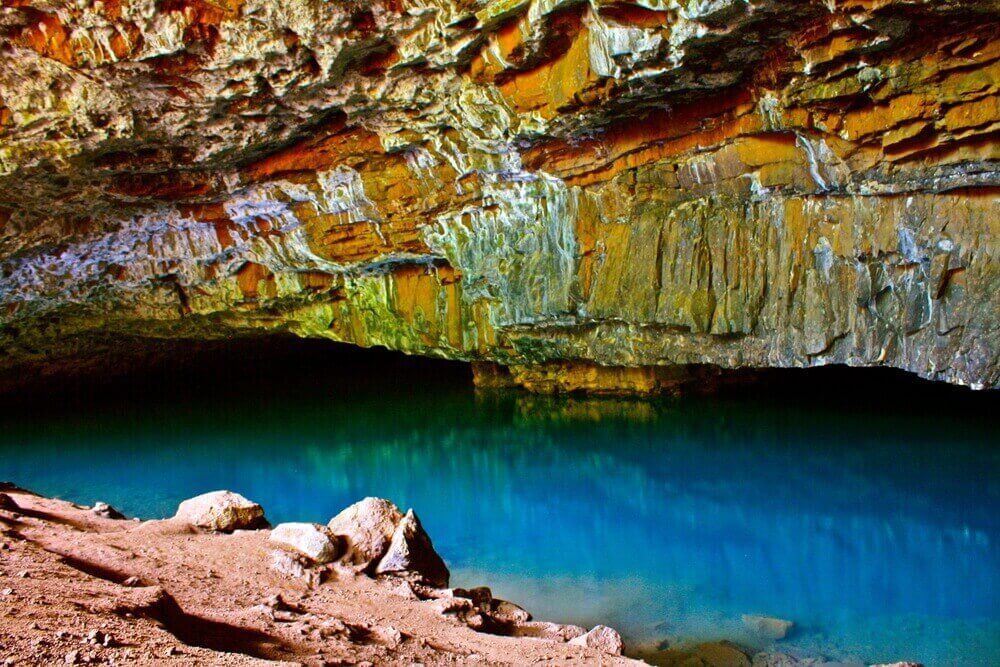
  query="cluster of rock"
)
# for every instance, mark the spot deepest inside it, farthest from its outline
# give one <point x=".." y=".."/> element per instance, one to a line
<point x="374" y="537"/>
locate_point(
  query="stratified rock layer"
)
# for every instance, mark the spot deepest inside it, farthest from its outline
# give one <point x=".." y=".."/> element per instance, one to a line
<point x="551" y="186"/>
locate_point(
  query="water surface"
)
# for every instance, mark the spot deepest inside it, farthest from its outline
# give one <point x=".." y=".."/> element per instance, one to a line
<point x="874" y="527"/>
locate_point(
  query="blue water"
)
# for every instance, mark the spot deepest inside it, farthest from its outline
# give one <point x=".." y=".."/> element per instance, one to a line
<point x="876" y="530"/>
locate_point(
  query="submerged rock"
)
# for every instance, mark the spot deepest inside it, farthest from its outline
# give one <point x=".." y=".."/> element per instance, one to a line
<point x="222" y="511"/>
<point x="368" y="526"/>
<point x="768" y="626"/>
<point x="314" y="540"/>
<point x="411" y="551"/>
<point x="602" y="638"/>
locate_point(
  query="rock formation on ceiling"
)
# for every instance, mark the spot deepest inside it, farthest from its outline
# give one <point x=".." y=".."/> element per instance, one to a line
<point x="595" y="194"/>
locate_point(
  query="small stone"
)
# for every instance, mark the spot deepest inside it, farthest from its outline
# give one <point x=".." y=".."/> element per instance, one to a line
<point x="445" y="606"/>
<point x="315" y="541"/>
<point x="388" y="636"/>
<point x="287" y="564"/>
<point x="97" y="638"/>
<point x="72" y="658"/>
<point x="7" y="591"/>
<point x="283" y="616"/>
<point x="411" y="551"/>
<point x="222" y="511"/>
<point x="368" y="526"/>
<point x="132" y="582"/>
<point x="107" y="511"/>
<point x="768" y="626"/>
<point x="277" y="603"/>
<point x="481" y="596"/>
<point x="508" y="612"/>
<point x="602" y="638"/>
<point x="545" y="630"/>
<point x="24" y="574"/>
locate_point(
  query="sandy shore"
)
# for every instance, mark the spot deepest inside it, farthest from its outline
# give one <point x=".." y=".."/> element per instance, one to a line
<point x="76" y="587"/>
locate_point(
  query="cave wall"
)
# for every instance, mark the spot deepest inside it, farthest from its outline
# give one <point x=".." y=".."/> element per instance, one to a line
<point x="568" y="189"/>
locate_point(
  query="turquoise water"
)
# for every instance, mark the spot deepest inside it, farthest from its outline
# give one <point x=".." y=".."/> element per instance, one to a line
<point x="875" y="528"/>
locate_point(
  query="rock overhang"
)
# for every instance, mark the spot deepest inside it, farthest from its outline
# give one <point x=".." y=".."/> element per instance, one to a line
<point x="536" y="184"/>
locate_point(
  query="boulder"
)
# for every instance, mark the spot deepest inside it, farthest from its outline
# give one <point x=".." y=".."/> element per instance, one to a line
<point x="602" y="638"/>
<point x="105" y="510"/>
<point x="411" y="552"/>
<point x="367" y="525"/>
<point x="222" y="511"/>
<point x="311" y="539"/>
<point x="768" y="626"/>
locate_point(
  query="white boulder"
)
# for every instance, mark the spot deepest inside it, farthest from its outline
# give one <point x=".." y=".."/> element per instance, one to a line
<point x="222" y="511"/>
<point x="311" y="539"/>
<point x="368" y="526"/>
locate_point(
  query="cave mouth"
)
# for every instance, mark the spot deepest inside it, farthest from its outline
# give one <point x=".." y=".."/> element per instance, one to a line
<point x="818" y="496"/>
<point x="144" y="371"/>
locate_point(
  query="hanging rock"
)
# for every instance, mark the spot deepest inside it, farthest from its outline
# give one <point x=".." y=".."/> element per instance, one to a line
<point x="314" y="540"/>
<point x="684" y="186"/>
<point x="222" y="511"/>
<point x="368" y="526"/>
<point x="411" y="551"/>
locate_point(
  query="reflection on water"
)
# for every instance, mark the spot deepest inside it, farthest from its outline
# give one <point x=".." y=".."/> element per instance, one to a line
<point x="876" y="533"/>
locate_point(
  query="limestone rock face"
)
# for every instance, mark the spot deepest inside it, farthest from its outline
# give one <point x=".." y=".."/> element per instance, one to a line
<point x="222" y="511"/>
<point x="537" y="184"/>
